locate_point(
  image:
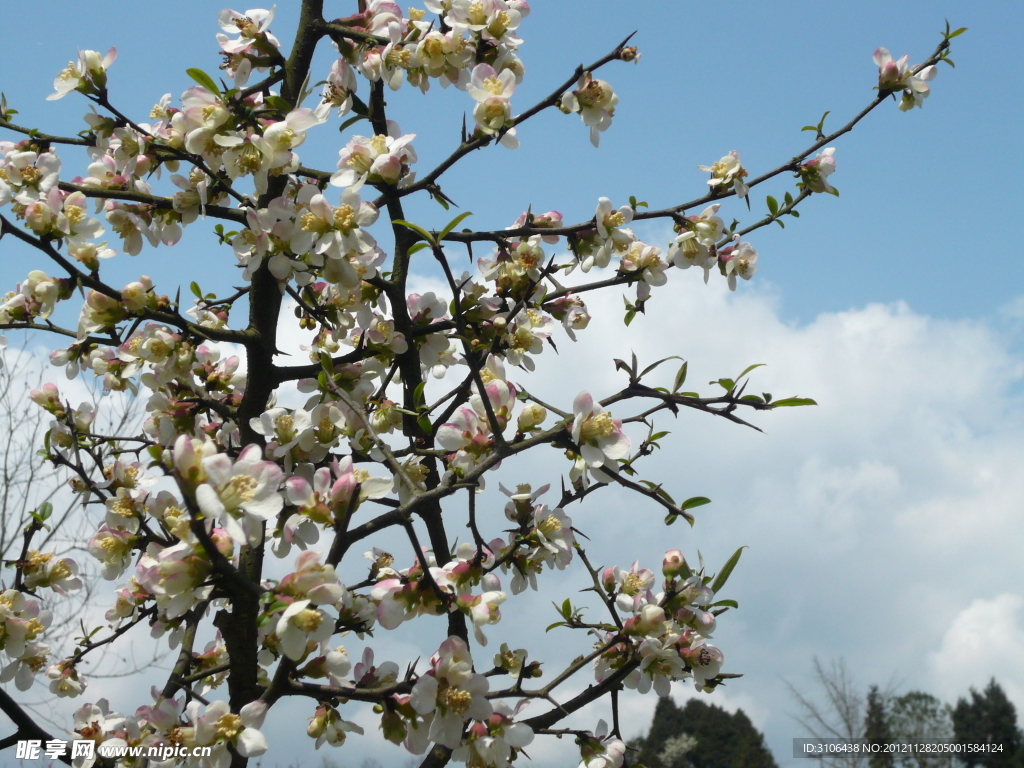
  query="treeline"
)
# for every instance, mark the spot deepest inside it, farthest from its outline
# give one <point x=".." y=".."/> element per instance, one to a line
<point x="982" y="725"/>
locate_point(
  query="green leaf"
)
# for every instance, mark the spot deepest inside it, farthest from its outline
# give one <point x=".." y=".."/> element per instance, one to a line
<point x="194" y="287"/>
<point x="696" y="501"/>
<point x="773" y="204"/>
<point x="726" y="603"/>
<point x="670" y="518"/>
<point x="652" y="366"/>
<point x="44" y="511"/>
<point x="281" y="104"/>
<point x="203" y="79"/>
<point x="957" y="33"/>
<point x="415" y="247"/>
<point x="629" y="316"/>
<point x="417" y="229"/>
<point x="453" y="224"/>
<point x="727" y="384"/>
<point x="680" y="378"/>
<point x="748" y="369"/>
<point x="723" y="575"/>
<point x="417" y="395"/>
<point x="567" y="608"/>
<point x="556" y="624"/>
<point x="795" y="213"/>
<point x="441" y="201"/>
<point x="809" y="128"/>
<point x="791" y="401"/>
<point x="326" y="363"/>
<point x="425" y="425"/>
<point x="350" y="121"/>
<point x="657" y="436"/>
<point x="751" y="399"/>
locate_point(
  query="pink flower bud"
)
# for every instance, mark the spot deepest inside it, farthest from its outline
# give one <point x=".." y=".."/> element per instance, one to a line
<point x="673" y="564"/>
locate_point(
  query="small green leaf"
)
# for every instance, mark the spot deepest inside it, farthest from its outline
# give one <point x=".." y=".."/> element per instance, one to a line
<point x="652" y="366"/>
<point x="657" y="436"/>
<point x="795" y="213"/>
<point x="203" y="79"/>
<point x="415" y="247"/>
<point x="453" y="224"/>
<point x="629" y="316"/>
<point x="567" y="608"/>
<point x="425" y="425"/>
<point x="725" y="603"/>
<point x="670" y="518"/>
<point x="696" y="501"/>
<point x="773" y="204"/>
<point x="417" y="229"/>
<point x="748" y="369"/>
<point x="350" y="121"/>
<point x="417" y="395"/>
<point x="723" y="575"/>
<point x="727" y="384"/>
<point x="791" y="401"/>
<point x="194" y="287"/>
<point x="279" y="103"/>
<point x="809" y="128"/>
<point x="556" y="624"/>
<point x="680" y="378"/>
<point x="957" y="33"/>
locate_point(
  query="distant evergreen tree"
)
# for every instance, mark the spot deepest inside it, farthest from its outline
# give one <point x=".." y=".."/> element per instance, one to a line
<point x="989" y="717"/>
<point x="876" y="729"/>
<point x="920" y="717"/>
<point x="720" y="739"/>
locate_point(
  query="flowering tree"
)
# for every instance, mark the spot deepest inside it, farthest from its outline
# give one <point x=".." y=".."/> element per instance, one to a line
<point x="227" y="516"/>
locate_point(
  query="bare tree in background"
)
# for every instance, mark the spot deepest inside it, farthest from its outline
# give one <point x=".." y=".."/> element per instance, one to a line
<point x="36" y="493"/>
<point x="840" y="715"/>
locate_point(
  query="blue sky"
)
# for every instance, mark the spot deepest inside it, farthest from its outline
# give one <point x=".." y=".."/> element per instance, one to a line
<point x="886" y="523"/>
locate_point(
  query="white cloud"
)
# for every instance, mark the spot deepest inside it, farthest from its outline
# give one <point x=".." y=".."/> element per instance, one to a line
<point x="986" y="639"/>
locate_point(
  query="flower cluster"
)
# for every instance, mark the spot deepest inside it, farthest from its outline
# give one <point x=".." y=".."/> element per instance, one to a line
<point x="898" y="75"/>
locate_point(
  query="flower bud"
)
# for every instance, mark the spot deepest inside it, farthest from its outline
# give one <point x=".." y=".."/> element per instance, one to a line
<point x="608" y="580"/>
<point x="650" y="620"/>
<point x="47" y="398"/>
<point x="674" y="564"/>
<point x="532" y="416"/>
